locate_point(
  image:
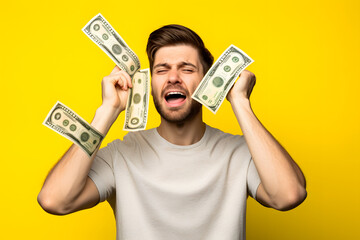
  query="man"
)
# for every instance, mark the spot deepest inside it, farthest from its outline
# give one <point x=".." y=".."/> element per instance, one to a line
<point x="184" y="179"/>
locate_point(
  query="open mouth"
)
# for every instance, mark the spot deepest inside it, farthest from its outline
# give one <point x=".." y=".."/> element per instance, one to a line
<point x="175" y="97"/>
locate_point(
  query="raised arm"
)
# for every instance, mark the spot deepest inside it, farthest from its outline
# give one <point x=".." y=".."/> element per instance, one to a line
<point x="67" y="187"/>
<point x="282" y="182"/>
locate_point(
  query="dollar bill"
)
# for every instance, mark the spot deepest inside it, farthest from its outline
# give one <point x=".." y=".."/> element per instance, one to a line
<point x="137" y="106"/>
<point x="99" y="30"/>
<point x="217" y="82"/>
<point x="104" y="35"/>
<point x="68" y="124"/>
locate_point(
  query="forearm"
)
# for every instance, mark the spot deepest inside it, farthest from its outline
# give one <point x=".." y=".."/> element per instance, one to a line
<point x="67" y="179"/>
<point x="279" y="174"/>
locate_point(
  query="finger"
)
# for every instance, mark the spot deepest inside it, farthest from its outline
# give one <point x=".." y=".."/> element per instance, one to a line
<point x="115" y="70"/>
<point x="114" y="80"/>
<point x="125" y="76"/>
<point x="119" y="84"/>
<point x="128" y="80"/>
<point x="245" y="73"/>
<point x="122" y="82"/>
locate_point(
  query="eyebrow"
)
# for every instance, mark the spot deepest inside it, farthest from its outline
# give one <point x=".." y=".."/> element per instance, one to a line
<point x="161" y="65"/>
<point x="180" y="65"/>
<point x="188" y="64"/>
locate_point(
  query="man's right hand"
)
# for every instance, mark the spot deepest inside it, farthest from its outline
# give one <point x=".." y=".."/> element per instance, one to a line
<point x="115" y="90"/>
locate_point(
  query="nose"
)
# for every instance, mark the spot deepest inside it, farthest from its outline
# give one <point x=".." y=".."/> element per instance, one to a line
<point x="174" y="77"/>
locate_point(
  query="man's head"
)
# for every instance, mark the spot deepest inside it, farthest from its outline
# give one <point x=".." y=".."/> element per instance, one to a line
<point x="178" y="61"/>
<point x="171" y="35"/>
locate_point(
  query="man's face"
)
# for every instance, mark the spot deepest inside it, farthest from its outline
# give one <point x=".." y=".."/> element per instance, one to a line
<point x="176" y="73"/>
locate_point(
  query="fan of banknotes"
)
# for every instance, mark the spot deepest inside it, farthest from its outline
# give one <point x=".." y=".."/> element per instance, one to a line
<point x="104" y="35"/>
<point x="211" y="91"/>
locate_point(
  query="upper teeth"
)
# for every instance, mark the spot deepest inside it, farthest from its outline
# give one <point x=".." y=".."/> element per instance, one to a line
<point x="170" y="93"/>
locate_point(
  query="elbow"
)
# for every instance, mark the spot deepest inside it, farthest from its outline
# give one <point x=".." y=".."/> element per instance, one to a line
<point x="50" y="205"/>
<point x="291" y="199"/>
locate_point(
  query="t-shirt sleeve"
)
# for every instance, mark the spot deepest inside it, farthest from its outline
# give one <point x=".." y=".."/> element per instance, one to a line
<point x="253" y="179"/>
<point x="101" y="172"/>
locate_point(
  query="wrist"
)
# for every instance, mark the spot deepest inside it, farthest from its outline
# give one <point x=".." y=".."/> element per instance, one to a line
<point x="239" y="102"/>
<point x="104" y="118"/>
<point x="241" y="106"/>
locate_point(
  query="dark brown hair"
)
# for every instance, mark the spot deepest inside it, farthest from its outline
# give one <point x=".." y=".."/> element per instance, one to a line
<point x="173" y="34"/>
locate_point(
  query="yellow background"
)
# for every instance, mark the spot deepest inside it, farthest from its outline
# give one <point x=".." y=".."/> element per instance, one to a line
<point x="307" y="94"/>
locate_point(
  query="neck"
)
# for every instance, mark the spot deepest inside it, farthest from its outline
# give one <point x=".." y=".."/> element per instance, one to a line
<point x="184" y="133"/>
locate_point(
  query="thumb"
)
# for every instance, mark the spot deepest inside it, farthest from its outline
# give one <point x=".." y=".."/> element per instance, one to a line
<point x="115" y="70"/>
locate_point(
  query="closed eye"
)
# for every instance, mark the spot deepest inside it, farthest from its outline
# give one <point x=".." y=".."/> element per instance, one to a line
<point x="188" y="70"/>
<point x="161" y="71"/>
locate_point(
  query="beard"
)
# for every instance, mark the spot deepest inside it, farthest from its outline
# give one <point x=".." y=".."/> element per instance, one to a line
<point x="177" y="115"/>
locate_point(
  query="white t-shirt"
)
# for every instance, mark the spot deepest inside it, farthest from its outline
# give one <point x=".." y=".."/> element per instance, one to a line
<point x="162" y="191"/>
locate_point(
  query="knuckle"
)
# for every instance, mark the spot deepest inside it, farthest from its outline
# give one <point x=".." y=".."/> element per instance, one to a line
<point x="104" y="80"/>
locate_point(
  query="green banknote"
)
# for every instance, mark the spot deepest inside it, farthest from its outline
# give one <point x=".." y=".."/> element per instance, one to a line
<point x="217" y="82"/>
<point x="104" y="35"/>
<point x="68" y="124"/>
<point x="138" y="102"/>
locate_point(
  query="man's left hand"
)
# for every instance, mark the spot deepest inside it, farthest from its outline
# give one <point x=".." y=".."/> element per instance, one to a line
<point x="243" y="87"/>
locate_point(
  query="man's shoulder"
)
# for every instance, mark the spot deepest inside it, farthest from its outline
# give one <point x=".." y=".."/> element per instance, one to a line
<point x="130" y="138"/>
<point x="224" y="143"/>
<point x="220" y="133"/>
<point x="136" y="135"/>
<point x="130" y="143"/>
<point x="224" y="139"/>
